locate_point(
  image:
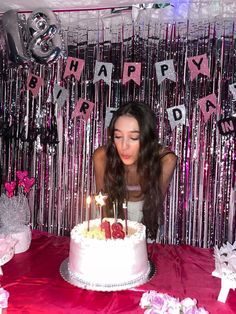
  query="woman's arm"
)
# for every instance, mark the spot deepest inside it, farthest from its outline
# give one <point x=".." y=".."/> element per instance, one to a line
<point x="99" y="162"/>
<point x="168" y="164"/>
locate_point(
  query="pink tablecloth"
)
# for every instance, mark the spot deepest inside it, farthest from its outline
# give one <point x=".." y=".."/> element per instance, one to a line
<point x="35" y="285"/>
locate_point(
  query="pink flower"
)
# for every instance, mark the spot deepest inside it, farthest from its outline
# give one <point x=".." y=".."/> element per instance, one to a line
<point x="4" y="295"/>
<point x="159" y="303"/>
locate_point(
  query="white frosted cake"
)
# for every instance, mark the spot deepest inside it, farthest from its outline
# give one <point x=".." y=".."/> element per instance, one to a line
<point x="109" y="263"/>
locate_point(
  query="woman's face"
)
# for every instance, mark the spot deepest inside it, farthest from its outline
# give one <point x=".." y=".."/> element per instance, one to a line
<point x="127" y="139"/>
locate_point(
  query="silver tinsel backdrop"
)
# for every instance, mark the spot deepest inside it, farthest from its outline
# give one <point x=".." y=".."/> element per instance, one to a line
<point x="41" y="137"/>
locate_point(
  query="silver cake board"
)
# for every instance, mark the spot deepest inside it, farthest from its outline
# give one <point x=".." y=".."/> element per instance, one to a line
<point x="78" y="282"/>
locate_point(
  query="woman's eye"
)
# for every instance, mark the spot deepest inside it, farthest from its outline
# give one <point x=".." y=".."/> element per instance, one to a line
<point x="119" y="137"/>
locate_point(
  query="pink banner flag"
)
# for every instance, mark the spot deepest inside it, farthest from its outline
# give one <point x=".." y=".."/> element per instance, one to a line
<point x="34" y="83"/>
<point x="74" y="66"/>
<point x="132" y="71"/>
<point x="197" y="65"/>
<point x="83" y="108"/>
<point x="209" y="105"/>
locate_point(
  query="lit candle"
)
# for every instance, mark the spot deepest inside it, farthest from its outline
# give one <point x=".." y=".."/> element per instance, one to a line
<point x="88" y="201"/>
<point x="125" y="214"/>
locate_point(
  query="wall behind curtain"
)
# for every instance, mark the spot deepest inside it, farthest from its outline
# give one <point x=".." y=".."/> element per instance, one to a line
<point x="200" y="205"/>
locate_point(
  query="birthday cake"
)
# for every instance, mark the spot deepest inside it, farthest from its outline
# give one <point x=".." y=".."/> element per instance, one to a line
<point x="113" y="258"/>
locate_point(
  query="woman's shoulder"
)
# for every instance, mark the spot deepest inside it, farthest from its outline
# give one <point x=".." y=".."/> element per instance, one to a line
<point x="167" y="157"/>
<point x="164" y="151"/>
<point x="100" y="153"/>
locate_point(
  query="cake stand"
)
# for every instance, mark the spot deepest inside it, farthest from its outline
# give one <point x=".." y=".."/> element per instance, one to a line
<point x="78" y="282"/>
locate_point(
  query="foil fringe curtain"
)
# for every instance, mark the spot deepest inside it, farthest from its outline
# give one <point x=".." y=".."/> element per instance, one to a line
<point x="200" y="205"/>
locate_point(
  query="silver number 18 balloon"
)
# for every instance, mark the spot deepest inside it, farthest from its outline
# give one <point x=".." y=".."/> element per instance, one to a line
<point x="45" y="43"/>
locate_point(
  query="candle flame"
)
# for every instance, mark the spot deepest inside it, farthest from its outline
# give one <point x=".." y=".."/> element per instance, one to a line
<point x="124" y="204"/>
<point x="88" y="200"/>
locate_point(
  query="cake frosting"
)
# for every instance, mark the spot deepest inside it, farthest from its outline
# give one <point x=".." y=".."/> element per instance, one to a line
<point x="108" y="262"/>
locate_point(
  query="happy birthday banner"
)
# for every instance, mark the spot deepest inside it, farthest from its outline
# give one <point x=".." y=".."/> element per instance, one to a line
<point x="165" y="70"/>
<point x="45" y="54"/>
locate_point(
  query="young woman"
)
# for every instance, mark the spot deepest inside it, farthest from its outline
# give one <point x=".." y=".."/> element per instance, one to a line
<point x="134" y="167"/>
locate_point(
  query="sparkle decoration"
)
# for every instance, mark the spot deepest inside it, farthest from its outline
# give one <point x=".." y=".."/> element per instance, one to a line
<point x="38" y="131"/>
<point x="100" y="200"/>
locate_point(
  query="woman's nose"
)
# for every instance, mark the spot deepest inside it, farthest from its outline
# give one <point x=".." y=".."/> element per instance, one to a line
<point x="125" y="143"/>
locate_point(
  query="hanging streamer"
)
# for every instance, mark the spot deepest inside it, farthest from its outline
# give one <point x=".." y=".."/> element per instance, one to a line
<point x="200" y="205"/>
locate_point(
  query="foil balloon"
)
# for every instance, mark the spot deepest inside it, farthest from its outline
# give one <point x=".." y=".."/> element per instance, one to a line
<point x="45" y="43"/>
<point x="10" y="187"/>
<point x="14" y="33"/>
<point x="21" y="174"/>
<point x="27" y="184"/>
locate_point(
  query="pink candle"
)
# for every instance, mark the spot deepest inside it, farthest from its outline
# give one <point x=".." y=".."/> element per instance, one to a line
<point x="106" y="227"/>
<point x="88" y="201"/>
<point x="117" y="231"/>
<point x="126" y="218"/>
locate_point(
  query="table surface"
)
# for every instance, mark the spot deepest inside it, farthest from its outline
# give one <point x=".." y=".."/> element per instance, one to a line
<point x="35" y="285"/>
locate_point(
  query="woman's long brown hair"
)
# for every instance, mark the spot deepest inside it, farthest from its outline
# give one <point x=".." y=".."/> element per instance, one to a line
<point x="148" y="167"/>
